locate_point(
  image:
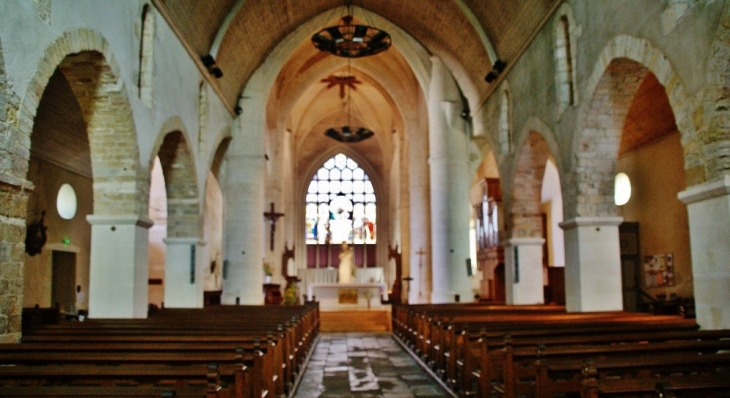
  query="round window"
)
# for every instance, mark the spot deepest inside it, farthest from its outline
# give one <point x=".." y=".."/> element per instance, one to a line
<point x="66" y="202"/>
<point x="622" y="189"/>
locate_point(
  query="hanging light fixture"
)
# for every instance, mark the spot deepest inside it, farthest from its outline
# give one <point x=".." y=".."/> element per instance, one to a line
<point x="347" y="133"/>
<point x="350" y="40"/>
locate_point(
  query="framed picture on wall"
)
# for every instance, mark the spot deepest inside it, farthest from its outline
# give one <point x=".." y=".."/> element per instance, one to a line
<point x="659" y="270"/>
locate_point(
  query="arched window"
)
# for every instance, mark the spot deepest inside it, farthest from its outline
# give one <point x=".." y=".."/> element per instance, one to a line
<point x="144" y="81"/>
<point x="505" y="130"/>
<point x="340" y="204"/>
<point x="565" y="32"/>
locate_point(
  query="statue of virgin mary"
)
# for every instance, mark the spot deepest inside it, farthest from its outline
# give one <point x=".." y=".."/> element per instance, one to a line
<point x="347" y="267"/>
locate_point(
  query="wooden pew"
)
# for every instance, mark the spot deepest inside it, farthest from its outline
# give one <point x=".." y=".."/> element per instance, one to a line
<point x="252" y="359"/>
<point x="465" y="343"/>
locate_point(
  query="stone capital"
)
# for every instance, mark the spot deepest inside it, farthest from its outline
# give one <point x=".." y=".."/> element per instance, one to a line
<point x="578" y="222"/>
<point x="706" y="191"/>
<point x="185" y="241"/>
<point x="121" y="219"/>
<point x="524" y="242"/>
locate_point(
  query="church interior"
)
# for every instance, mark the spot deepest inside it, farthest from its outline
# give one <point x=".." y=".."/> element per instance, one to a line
<point x="414" y="167"/>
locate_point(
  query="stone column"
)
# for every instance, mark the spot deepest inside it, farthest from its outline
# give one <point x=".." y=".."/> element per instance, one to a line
<point x="592" y="264"/>
<point x="419" y="291"/>
<point x="184" y="280"/>
<point x="523" y="271"/>
<point x="708" y="206"/>
<point x="244" y="218"/>
<point x="449" y="175"/>
<point x="119" y="271"/>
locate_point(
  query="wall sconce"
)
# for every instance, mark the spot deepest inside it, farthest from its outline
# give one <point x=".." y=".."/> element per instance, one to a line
<point x="213" y="69"/>
<point x="497" y="68"/>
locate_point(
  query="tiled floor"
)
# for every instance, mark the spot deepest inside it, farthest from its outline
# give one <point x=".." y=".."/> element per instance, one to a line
<point x="364" y="365"/>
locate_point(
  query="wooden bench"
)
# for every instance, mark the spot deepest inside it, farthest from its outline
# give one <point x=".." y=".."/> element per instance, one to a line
<point x="465" y="344"/>
<point x="171" y="349"/>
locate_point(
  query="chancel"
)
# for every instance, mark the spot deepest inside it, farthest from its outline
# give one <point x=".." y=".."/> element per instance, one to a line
<point x="482" y="152"/>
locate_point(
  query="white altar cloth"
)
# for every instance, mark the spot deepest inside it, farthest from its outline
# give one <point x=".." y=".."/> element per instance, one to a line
<point x="328" y="295"/>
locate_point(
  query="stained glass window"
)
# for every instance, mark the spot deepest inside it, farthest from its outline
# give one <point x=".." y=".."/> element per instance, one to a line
<point x="340" y="204"/>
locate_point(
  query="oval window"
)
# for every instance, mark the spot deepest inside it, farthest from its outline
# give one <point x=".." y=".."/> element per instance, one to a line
<point x="66" y="202"/>
<point x="622" y="189"/>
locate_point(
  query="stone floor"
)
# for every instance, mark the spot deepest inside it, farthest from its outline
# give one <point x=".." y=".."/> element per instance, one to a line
<point x="365" y="365"/>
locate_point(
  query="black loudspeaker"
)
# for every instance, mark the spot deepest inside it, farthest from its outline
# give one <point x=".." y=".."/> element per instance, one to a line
<point x="468" y="267"/>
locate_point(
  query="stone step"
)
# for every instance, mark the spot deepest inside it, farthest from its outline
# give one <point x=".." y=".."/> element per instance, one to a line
<point x="355" y="321"/>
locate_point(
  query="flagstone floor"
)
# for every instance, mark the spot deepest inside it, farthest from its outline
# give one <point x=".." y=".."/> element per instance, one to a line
<point x="364" y="365"/>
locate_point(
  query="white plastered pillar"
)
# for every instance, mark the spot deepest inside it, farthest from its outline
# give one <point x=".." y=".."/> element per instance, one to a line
<point x="708" y="207"/>
<point x="418" y="291"/>
<point x="449" y="188"/>
<point x="523" y="271"/>
<point x="244" y="224"/>
<point x="184" y="279"/>
<point x="592" y="264"/>
<point x="119" y="269"/>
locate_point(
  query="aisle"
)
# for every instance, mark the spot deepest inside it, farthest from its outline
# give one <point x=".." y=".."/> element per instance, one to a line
<point x="364" y="365"/>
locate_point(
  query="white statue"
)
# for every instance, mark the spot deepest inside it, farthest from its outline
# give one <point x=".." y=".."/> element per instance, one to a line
<point x="347" y="267"/>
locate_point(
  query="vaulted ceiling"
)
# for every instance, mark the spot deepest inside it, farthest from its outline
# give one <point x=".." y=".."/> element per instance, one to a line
<point x="241" y="33"/>
<point x="468" y="35"/>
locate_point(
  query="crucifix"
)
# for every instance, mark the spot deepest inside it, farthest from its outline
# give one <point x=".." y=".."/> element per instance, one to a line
<point x="420" y="254"/>
<point x="272" y="216"/>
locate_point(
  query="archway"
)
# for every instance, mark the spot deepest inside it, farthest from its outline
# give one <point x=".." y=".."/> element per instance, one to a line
<point x="590" y="209"/>
<point x="59" y="155"/>
<point x="214" y="211"/>
<point x="183" y="281"/>
<point x="526" y="251"/>
<point x="488" y="224"/>
<point x="655" y="252"/>
<point x="117" y="277"/>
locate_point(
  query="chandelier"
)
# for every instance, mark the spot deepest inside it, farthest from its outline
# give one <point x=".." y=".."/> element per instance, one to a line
<point x="350" y="40"/>
<point x="345" y="134"/>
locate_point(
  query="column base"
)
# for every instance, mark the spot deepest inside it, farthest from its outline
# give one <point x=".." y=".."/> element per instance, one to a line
<point x="592" y="264"/>
<point x="523" y="271"/>
<point x="183" y="278"/>
<point x="119" y="269"/>
<point x="708" y="206"/>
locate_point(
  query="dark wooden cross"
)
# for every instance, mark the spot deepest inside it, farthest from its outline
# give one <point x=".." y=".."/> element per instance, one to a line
<point x="420" y="254"/>
<point x="272" y="216"/>
<point x="342" y="81"/>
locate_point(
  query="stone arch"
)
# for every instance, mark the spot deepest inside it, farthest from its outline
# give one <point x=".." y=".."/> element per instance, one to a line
<point x="715" y="136"/>
<point x="523" y="195"/>
<point x="120" y="184"/>
<point x="178" y="168"/>
<point x="219" y="155"/>
<point x="617" y="75"/>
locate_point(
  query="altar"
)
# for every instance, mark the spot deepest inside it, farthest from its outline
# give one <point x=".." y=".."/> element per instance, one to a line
<point x="348" y="296"/>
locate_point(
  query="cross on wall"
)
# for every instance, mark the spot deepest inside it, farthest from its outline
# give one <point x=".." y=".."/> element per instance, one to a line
<point x="272" y="216"/>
